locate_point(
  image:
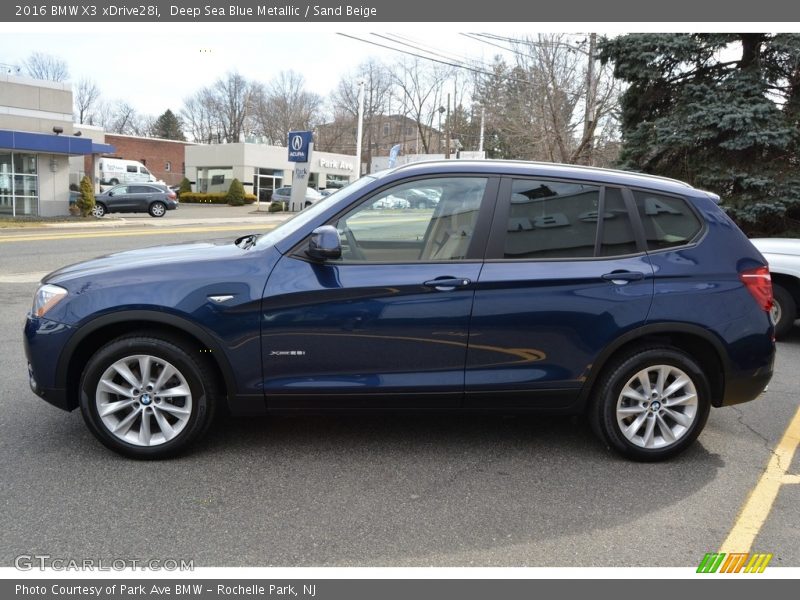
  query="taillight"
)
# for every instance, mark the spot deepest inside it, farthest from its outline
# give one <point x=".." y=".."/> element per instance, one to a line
<point x="759" y="284"/>
<point x="172" y="195"/>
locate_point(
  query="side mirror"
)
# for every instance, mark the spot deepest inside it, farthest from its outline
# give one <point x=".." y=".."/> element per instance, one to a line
<point x="324" y="243"/>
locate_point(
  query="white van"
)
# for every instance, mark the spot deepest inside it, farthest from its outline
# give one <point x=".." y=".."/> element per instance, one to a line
<point x="115" y="170"/>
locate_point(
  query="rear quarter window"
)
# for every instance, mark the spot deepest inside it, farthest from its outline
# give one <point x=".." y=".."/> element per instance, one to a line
<point x="668" y="221"/>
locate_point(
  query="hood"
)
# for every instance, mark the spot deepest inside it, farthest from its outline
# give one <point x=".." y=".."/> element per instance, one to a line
<point x="156" y="257"/>
<point x="777" y="246"/>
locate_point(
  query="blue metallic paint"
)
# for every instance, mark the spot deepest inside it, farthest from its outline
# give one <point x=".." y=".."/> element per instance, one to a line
<point x="376" y="335"/>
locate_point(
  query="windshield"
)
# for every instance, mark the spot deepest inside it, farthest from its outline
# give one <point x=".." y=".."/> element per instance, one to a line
<point x="300" y="219"/>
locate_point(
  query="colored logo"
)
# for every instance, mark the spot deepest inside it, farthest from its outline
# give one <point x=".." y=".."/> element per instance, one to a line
<point x="733" y="562"/>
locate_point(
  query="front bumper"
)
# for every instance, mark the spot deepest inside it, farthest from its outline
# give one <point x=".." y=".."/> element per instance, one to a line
<point x="44" y="341"/>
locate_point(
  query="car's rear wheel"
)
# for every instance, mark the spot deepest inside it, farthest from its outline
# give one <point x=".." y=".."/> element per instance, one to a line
<point x="651" y="404"/>
<point x="114" y="181"/>
<point x="99" y="210"/>
<point x="157" y="209"/>
<point x="146" y="396"/>
<point x="784" y="310"/>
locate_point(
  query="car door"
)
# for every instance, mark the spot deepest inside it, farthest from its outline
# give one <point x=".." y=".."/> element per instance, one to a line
<point x="385" y="325"/>
<point x="119" y="198"/>
<point x="140" y="197"/>
<point x="565" y="275"/>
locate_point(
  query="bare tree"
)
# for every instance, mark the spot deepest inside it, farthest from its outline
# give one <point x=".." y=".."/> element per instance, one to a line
<point x="200" y="118"/>
<point x="421" y="85"/>
<point x="378" y="88"/>
<point x="45" y="66"/>
<point x="219" y="113"/>
<point x="554" y="104"/>
<point x="284" y="105"/>
<point x="86" y="98"/>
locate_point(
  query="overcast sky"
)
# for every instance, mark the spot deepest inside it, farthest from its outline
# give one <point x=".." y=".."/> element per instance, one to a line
<point x="157" y="66"/>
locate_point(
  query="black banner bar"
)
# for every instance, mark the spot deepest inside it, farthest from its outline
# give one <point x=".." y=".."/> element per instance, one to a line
<point x="497" y="11"/>
<point x="393" y="589"/>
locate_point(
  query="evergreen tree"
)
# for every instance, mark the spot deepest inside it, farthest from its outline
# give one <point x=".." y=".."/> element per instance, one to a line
<point x="720" y="111"/>
<point x="186" y="186"/>
<point x="236" y="193"/>
<point x="86" y="201"/>
<point x="169" y="127"/>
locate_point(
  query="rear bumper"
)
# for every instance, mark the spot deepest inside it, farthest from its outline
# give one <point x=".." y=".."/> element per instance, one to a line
<point x="745" y="387"/>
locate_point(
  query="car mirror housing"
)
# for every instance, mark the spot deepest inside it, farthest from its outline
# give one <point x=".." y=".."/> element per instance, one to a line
<point x="324" y="244"/>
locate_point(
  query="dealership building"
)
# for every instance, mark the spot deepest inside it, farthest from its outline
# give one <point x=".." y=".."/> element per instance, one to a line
<point x="261" y="168"/>
<point x="37" y="139"/>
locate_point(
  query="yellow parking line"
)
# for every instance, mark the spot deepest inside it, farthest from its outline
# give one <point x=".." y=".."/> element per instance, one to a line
<point x="791" y="479"/>
<point x="161" y="231"/>
<point x="758" y="505"/>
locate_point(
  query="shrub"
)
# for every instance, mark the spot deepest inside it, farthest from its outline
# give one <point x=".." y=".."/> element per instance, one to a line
<point x="211" y="198"/>
<point x="276" y="207"/>
<point x="85" y="202"/>
<point x="186" y="186"/>
<point x="236" y="193"/>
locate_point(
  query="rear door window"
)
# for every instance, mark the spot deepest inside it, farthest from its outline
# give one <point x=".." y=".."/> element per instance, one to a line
<point x="551" y="219"/>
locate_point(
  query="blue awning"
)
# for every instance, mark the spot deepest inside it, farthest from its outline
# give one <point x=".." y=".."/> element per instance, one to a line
<point x="51" y="143"/>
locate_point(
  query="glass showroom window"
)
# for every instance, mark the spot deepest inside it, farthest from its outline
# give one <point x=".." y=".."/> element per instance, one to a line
<point x="19" y="184"/>
<point x="214" y="179"/>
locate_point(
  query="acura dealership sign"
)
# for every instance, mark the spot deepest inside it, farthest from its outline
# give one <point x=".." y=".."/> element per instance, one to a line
<point x="298" y="146"/>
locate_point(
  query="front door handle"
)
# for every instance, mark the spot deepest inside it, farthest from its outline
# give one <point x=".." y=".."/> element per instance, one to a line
<point x="623" y="277"/>
<point x="445" y="284"/>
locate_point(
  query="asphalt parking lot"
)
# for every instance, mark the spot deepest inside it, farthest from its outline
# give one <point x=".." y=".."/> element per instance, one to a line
<point x="417" y="490"/>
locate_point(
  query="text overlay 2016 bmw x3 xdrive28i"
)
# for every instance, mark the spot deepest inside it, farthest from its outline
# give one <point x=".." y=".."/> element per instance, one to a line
<point x="630" y="298"/>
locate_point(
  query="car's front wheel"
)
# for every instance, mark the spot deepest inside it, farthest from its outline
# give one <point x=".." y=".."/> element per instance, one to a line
<point x="99" y="210"/>
<point x="651" y="404"/>
<point x="157" y="209"/>
<point x="146" y="396"/>
<point x="784" y="310"/>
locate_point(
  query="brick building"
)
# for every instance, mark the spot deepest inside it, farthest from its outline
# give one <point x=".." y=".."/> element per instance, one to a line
<point x="380" y="133"/>
<point x="166" y="159"/>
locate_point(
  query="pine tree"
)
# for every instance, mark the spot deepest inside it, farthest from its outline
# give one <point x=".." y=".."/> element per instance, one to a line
<point x="720" y="111"/>
<point x="169" y="127"/>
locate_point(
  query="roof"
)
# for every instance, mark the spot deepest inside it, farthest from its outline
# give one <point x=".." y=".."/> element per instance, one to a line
<point x="542" y="169"/>
<point x="51" y="143"/>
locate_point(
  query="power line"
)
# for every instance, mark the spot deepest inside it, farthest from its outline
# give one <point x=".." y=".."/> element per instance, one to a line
<point x="436" y="60"/>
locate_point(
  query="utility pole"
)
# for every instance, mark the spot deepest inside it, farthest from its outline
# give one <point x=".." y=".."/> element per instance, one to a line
<point x="483" y="116"/>
<point x="591" y="93"/>
<point x="360" y="128"/>
<point x="447" y="127"/>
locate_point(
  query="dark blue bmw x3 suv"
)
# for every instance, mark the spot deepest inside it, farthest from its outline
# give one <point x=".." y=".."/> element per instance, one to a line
<point x="632" y="299"/>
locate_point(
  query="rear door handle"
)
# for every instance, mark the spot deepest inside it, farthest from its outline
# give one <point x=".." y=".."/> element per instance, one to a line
<point x="623" y="277"/>
<point x="445" y="284"/>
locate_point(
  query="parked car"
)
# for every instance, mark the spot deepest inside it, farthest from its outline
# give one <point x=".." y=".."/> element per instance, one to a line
<point x="630" y="298"/>
<point x="284" y="194"/>
<point x="783" y="256"/>
<point x="153" y="198"/>
<point x="113" y="171"/>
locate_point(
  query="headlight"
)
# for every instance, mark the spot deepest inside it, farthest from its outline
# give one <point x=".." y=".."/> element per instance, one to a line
<point x="47" y="296"/>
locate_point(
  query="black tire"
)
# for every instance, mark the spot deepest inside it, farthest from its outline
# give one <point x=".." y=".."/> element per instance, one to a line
<point x="157" y="209"/>
<point x="608" y="400"/>
<point x="190" y="425"/>
<point x="99" y="210"/>
<point x="114" y="181"/>
<point x="786" y="310"/>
